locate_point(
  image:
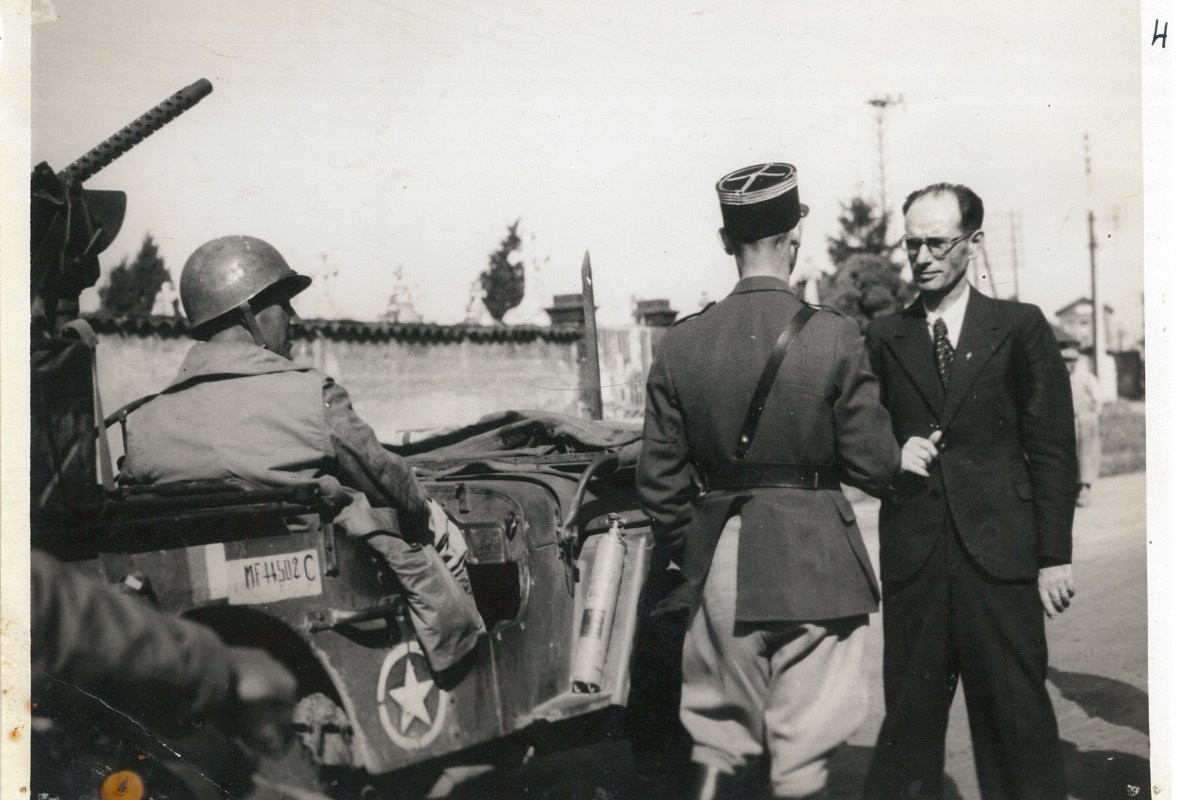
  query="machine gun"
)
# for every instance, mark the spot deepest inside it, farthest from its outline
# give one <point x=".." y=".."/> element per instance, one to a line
<point x="69" y="227"/>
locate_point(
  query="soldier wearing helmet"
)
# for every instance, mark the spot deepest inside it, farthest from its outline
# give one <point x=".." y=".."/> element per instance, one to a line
<point x="241" y="410"/>
<point x="240" y="281"/>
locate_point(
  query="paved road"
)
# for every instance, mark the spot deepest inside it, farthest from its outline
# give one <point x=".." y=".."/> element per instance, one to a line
<point x="1098" y="681"/>
<point x="1098" y="660"/>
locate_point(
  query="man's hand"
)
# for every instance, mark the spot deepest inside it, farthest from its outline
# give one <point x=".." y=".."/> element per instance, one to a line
<point x="1056" y="587"/>
<point x="919" y="454"/>
<point x="261" y="710"/>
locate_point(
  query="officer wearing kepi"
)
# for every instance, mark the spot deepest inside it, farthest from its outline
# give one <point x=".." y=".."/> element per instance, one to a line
<point x="757" y="409"/>
<point x="240" y="409"/>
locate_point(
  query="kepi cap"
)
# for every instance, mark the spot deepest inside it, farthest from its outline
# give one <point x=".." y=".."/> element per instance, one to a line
<point x="760" y="200"/>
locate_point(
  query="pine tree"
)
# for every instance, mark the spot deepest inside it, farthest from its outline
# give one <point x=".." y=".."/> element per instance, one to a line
<point x="864" y="231"/>
<point x="503" y="280"/>
<point x="865" y="286"/>
<point x="132" y="289"/>
<point x="866" y="282"/>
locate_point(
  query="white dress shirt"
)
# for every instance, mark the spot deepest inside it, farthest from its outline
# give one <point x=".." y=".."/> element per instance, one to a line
<point x="952" y="312"/>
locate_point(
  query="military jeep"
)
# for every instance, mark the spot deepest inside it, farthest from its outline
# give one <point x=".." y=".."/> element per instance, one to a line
<point x="539" y="497"/>
<point x="370" y="705"/>
<point x="536" y="495"/>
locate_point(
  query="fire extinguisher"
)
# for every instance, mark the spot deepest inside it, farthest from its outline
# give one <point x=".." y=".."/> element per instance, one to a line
<point x="596" y="621"/>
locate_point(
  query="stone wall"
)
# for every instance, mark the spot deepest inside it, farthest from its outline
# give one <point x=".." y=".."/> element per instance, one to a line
<point x="399" y="377"/>
<point x="398" y="386"/>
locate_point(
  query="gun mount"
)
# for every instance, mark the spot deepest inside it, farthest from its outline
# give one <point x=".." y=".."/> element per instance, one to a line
<point x="70" y="226"/>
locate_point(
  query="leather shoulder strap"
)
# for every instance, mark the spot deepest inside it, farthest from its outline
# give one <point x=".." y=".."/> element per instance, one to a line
<point x="80" y="329"/>
<point x="768" y="377"/>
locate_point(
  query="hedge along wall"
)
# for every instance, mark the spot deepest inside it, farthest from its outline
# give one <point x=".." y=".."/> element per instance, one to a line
<point x="399" y="376"/>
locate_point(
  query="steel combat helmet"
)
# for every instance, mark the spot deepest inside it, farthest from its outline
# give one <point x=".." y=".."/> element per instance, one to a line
<point x="225" y="274"/>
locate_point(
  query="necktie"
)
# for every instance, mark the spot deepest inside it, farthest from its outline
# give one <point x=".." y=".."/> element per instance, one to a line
<point x="944" y="351"/>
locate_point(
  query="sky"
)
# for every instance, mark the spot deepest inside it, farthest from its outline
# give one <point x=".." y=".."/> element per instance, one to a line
<point x="366" y="138"/>
<point x="370" y="139"/>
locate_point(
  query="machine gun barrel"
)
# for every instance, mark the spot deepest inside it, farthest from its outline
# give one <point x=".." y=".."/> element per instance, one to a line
<point x="146" y="124"/>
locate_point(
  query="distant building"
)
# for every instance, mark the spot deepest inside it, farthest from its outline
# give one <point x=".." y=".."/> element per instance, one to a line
<point x="1075" y="319"/>
<point x="654" y="313"/>
<point x="566" y="309"/>
<point x="1120" y="368"/>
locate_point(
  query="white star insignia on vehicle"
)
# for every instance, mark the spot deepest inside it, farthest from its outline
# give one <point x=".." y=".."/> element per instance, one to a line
<point x="412" y="708"/>
<point x="410" y="696"/>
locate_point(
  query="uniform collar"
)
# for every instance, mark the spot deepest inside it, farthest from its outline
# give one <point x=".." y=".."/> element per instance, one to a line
<point x="762" y="283"/>
<point x="207" y="359"/>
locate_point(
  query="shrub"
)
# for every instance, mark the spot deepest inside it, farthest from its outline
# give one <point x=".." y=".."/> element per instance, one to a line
<point x="1122" y="436"/>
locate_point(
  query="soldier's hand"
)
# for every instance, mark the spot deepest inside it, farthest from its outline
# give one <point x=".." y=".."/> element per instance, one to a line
<point x="919" y="454"/>
<point x="1056" y="587"/>
<point x="263" y="703"/>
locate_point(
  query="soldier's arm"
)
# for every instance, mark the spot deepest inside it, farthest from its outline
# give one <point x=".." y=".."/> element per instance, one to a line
<point x="867" y="451"/>
<point x="155" y="666"/>
<point x="362" y="463"/>
<point x="112" y="645"/>
<point x="665" y="477"/>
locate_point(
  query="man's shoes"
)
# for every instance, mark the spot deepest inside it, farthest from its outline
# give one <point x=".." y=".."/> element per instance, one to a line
<point x="1084" y="497"/>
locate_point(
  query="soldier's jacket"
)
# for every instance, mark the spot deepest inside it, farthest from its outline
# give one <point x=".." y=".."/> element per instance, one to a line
<point x="242" y="413"/>
<point x="88" y="635"/>
<point x="238" y="412"/>
<point x="801" y="555"/>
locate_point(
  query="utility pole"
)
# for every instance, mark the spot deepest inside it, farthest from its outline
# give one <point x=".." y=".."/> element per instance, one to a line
<point x="880" y="105"/>
<point x="1015" y="234"/>
<point x="1095" y="309"/>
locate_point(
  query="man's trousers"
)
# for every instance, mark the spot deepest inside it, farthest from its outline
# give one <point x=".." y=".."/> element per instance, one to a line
<point x="950" y="622"/>
<point x="796" y="690"/>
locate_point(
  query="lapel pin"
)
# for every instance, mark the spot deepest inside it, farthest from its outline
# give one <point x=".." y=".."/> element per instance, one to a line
<point x="968" y="355"/>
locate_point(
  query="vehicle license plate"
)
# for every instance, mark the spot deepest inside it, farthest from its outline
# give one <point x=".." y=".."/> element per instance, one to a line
<point x="271" y="577"/>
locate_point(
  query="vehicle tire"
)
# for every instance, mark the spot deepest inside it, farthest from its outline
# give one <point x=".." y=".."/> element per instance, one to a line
<point x="319" y="763"/>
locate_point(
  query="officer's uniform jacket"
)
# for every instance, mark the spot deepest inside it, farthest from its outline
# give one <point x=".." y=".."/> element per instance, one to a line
<point x="801" y="555"/>
<point x="1006" y="471"/>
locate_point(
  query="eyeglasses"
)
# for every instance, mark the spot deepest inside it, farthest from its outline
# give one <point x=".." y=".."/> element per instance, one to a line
<point x="939" y="248"/>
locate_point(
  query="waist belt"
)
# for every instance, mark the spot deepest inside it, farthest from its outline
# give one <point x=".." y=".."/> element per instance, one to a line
<point x="736" y="476"/>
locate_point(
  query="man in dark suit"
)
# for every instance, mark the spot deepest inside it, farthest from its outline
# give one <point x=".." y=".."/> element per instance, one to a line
<point x="776" y="574"/>
<point x="975" y="538"/>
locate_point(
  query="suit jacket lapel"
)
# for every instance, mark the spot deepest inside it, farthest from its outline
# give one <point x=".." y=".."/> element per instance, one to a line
<point x="980" y="336"/>
<point x="912" y="347"/>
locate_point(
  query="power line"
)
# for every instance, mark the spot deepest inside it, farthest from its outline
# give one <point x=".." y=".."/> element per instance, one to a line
<point x="1095" y="307"/>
